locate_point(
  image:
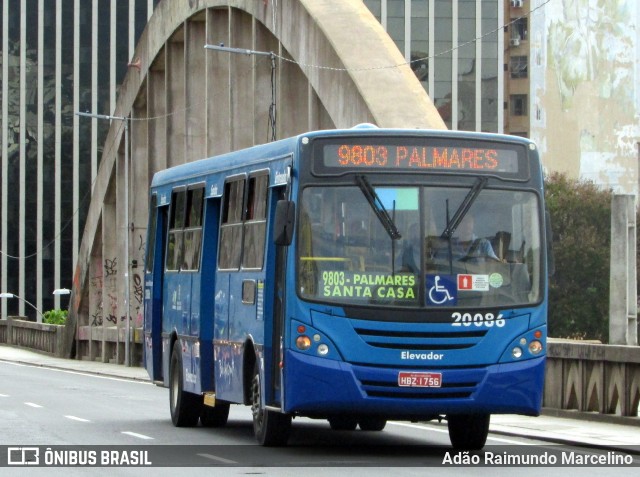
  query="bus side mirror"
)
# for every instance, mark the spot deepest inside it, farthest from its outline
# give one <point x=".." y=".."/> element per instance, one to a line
<point x="284" y="221"/>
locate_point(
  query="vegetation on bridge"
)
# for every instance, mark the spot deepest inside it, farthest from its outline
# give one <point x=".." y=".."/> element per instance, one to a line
<point x="579" y="290"/>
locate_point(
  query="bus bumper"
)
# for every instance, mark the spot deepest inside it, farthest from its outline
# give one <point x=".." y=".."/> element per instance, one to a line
<point x="318" y="387"/>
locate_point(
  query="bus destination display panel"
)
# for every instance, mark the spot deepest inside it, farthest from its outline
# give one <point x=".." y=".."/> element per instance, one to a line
<point x="414" y="155"/>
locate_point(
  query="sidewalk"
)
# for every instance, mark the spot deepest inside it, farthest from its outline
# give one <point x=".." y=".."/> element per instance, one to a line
<point x="561" y="430"/>
<point x="25" y="356"/>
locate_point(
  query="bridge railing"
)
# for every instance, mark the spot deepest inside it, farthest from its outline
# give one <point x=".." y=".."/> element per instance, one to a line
<point x="581" y="376"/>
<point x="100" y="344"/>
<point x="592" y="377"/>
<point x="17" y="331"/>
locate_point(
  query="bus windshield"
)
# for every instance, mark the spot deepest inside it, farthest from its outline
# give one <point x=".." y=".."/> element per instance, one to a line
<point x="419" y="246"/>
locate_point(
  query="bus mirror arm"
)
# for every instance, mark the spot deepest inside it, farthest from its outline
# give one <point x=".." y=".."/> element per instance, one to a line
<point x="284" y="221"/>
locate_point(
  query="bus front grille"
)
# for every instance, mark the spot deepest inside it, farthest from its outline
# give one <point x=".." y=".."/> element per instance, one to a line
<point x="421" y="340"/>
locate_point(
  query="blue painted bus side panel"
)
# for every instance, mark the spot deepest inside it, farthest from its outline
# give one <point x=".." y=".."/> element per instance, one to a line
<point x="176" y="312"/>
<point x="226" y="354"/>
<point x="207" y="292"/>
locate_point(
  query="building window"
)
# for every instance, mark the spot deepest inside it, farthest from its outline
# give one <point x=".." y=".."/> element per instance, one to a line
<point x="519" y="105"/>
<point x="519" y="29"/>
<point x="519" y="66"/>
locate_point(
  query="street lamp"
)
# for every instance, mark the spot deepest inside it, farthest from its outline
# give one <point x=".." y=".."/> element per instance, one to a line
<point x="61" y="291"/>
<point x="13" y="295"/>
<point x="127" y="289"/>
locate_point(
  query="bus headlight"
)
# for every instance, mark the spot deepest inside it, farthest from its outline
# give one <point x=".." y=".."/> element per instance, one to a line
<point x="516" y="352"/>
<point x="535" y="347"/>
<point x="323" y="349"/>
<point x="303" y="343"/>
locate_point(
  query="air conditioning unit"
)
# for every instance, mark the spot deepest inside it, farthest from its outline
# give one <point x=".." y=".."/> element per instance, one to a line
<point x="516" y="3"/>
<point x="515" y="41"/>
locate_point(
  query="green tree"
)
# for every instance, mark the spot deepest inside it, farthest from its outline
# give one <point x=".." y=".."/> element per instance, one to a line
<point x="579" y="290"/>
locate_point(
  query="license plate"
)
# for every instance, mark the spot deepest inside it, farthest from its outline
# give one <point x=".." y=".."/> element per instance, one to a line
<point x="419" y="380"/>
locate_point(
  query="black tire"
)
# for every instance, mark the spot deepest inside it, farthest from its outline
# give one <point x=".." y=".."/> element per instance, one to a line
<point x="342" y="423"/>
<point x="185" y="407"/>
<point x="468" y="432"/>
<point x="215" y="416"/>
<point x="372" y="424"/>
<point x="271" y="428"/>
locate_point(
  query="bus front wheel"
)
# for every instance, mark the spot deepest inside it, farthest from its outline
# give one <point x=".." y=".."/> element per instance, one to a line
<point x="184" y="406"/>
<point x="271" y="428"/>
<point x="468" y="431"/>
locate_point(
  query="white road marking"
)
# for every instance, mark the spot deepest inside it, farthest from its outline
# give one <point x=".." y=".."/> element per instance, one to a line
<point x="32" y="404"/>
<point x="4" y="395"/>
<point x="75" y="418"/>
<point x="135" y="434"/>
<point x="217" y="459"/>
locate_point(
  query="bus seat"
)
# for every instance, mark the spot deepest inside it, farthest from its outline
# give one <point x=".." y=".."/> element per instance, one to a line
<point x="500" y="243"/>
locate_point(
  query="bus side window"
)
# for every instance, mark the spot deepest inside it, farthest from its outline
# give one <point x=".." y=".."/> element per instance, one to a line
<point x="255" y="222"/>
<point x="193" y="230"/>
<point x="176" y="225"/>
<point x="231" y="226"/>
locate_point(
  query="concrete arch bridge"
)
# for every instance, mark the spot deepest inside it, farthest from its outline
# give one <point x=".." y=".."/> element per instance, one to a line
<point x="330" y="64"/>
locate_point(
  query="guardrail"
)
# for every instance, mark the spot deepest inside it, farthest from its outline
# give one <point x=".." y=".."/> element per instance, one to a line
<point x="581" y="376"/>
<point x="18" y="331"/>
<point x="590" y="377"/>
<point x="97" y="344"/>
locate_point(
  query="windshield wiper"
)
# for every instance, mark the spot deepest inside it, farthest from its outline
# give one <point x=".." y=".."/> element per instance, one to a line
<point x="378" y="207"/>
<point x="472" y="195"/>
<point x="453" y="222"/>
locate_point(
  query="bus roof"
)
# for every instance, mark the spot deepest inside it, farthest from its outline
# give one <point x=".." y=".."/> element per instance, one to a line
<point x="185" y="173"/>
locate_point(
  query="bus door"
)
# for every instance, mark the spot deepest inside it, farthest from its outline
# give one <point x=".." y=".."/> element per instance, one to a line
<point x="275" y="263"/>
<point x="227" y="354"/>
<point x="240" y="291"/>
<point x="178" y="278"/>
<point x="153" y="283"/>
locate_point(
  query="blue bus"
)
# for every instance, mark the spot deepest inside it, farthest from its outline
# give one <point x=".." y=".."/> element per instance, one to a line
<point x="356" y="276"/>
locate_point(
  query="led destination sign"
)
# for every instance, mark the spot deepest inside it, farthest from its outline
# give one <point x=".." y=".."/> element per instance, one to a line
<point x="415" y="157"/>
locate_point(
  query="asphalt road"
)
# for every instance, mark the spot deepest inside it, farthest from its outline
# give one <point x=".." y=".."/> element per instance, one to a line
<point x="48" y="408"/>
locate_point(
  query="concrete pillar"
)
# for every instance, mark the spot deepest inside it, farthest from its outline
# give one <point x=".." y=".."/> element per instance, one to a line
<point x="139" y="211"/>
<point x="241" y="81"/>
<point x="217" y="88"/>
<point x="195" y="64"/>
<point x="110" y="274"/>
<point x="264" y="42"/>
<point x="157" y="128"/>
<point x="623" y="305"/>
<point x="175" y="78"/>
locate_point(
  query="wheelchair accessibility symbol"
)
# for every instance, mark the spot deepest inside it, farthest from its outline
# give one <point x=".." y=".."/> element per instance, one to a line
<point x="441" y="290"/>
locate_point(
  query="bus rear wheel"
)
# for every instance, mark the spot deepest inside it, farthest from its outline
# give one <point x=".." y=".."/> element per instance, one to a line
<point x="184" y="406"/>
<point x="271" y="428"/>
<point x="468" y="431"/>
